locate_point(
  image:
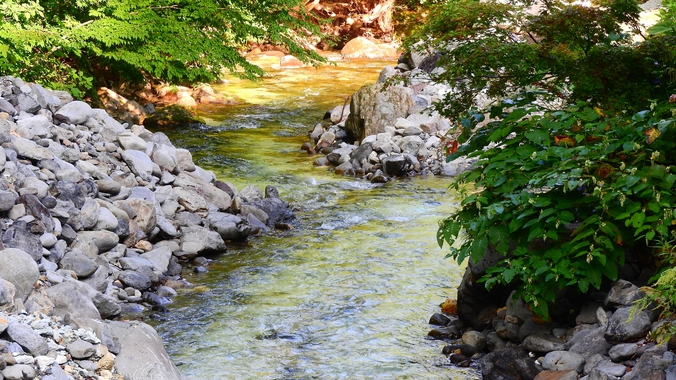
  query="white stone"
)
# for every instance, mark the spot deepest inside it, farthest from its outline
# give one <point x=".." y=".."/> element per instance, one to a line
<point x="129" y="141"/>
<point x="139" y="163"/>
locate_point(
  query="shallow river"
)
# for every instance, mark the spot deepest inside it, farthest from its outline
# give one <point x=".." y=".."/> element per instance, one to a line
<point x="348" y="292"/>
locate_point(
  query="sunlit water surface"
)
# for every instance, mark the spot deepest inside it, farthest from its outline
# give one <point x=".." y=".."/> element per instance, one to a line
<point x="348" y="292"/>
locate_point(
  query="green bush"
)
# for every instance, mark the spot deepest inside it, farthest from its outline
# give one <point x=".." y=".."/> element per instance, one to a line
<point x="564" y="195"/>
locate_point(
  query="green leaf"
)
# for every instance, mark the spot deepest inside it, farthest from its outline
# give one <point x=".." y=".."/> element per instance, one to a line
<point x="583" y="285"/>
<point x="538" y="136"/>
<point x="637" y="219"/>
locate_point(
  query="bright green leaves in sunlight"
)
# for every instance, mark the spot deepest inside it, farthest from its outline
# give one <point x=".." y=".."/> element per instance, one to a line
<point x="563" y="214"/>
<point x="80" y="44"/>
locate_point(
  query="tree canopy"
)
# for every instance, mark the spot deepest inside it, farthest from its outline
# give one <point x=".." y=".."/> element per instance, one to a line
<point x="80" y="44"/>
<point x="572" y="189"/>
<point x="571" y="52"/>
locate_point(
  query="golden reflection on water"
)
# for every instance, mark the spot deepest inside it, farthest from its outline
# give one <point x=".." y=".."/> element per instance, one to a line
<point x="348" y="292"/>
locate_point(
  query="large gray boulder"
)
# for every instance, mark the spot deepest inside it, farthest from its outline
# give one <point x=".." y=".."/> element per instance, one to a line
<point x="19" y="268"/>
<point x="74" y="298"/>
<point x="142" y="355"/>
<point x="199" y="240"/>
<point x="373" y="107"/>
<point x="76" y="112"/>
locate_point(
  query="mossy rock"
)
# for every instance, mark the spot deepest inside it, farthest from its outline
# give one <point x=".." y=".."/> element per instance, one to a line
<point x="171" y="116"/>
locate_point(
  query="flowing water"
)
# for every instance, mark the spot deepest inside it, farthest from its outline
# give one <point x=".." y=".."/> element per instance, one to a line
<point x="348" y="292"/>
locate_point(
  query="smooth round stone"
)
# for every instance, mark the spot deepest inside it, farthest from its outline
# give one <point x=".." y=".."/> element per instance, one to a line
<point x="48" y="240"/>
<point x="108" y="186"/>
<point x="19" y="372"/>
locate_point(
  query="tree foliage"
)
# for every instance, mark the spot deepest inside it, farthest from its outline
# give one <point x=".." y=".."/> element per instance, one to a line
<point x="82" y="43"/>
<point x="571" y="52"/>
<point x="568" y="190"/>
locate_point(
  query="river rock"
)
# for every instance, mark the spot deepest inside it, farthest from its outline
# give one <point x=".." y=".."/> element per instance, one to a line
<point x="277" y="210"/>
<point x="622" y="293"/>
<point x="621" y="328"/>
<point x="141" y="355"/>
<point x="563" y="361"/>
<point x="201" y="240"/>
<point x="211" y="193"/>
<point x="68" y="191"/>
<point x="589" y="342"/>
<point x="139" y="163"/>
<point x="103" y="240"/>
<point x="75" y="112"/>
<point x="81" y="349"/>
<point x="19" y="268"/>
<point x="136" y="280"/>
<point x="74" y="298"/>
<point x="230" y="227"/>
<point x="373" y="107"/>
<point x="394" y="165"/>
<point x="129" y="141"/>
<point x="159" y="258"/>
<point x="7" y="200"/>
<point x="18" y="236"/>
<point x="19" y="372"/>
<point x="543" y="343"/>
<point x="508" y="363"/>
<point x="144" y="213"/>
<point x="82" y="265"/>
<point x="28" y="339"/>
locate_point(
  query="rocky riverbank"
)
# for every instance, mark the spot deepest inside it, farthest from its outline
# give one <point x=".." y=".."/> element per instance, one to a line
<point x="389" y="129"/>
<point x="98" y="219"/>
<point x="599" y="339"/>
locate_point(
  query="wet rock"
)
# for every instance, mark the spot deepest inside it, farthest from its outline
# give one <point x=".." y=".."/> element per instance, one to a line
<point x="277" y="210"/>
<point x="622" y="351"/>
<point x="448" y="332"/>
<point x="474" y="339"/>
<point x="508" y="363"/>
<point x="439" y="319"/>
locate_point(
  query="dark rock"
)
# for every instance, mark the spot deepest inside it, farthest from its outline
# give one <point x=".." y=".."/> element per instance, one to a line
<point x="459" y="360"/>
<point x="277" y="210"/>
<point x="651" y="365"/>
<point x="69" y="192"/>
<point x="394" y="165"/>
<point x="621" y="328"/>
<point x="27" y="338"/>
<point x="463" y="349"/>
<point x="18" y="236"/>
<point x="508" y="364"/>
<point x="361" y="154"/>
<point x="439" y="319"/>
<point x="622" y="293"/>
<point x="89" y="188"/>
<point x="448" y="332"/>
<point x="589" y="342"/>
<point x="135" y="279"/>
<point x="473" y="298"/>
<point x="271" y="192"/>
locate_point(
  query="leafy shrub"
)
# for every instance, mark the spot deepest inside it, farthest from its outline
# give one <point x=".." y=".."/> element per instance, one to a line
<point x="564" y="194"/>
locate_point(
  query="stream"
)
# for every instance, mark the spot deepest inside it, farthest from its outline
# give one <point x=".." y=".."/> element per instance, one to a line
<point x="348" y="292"/>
